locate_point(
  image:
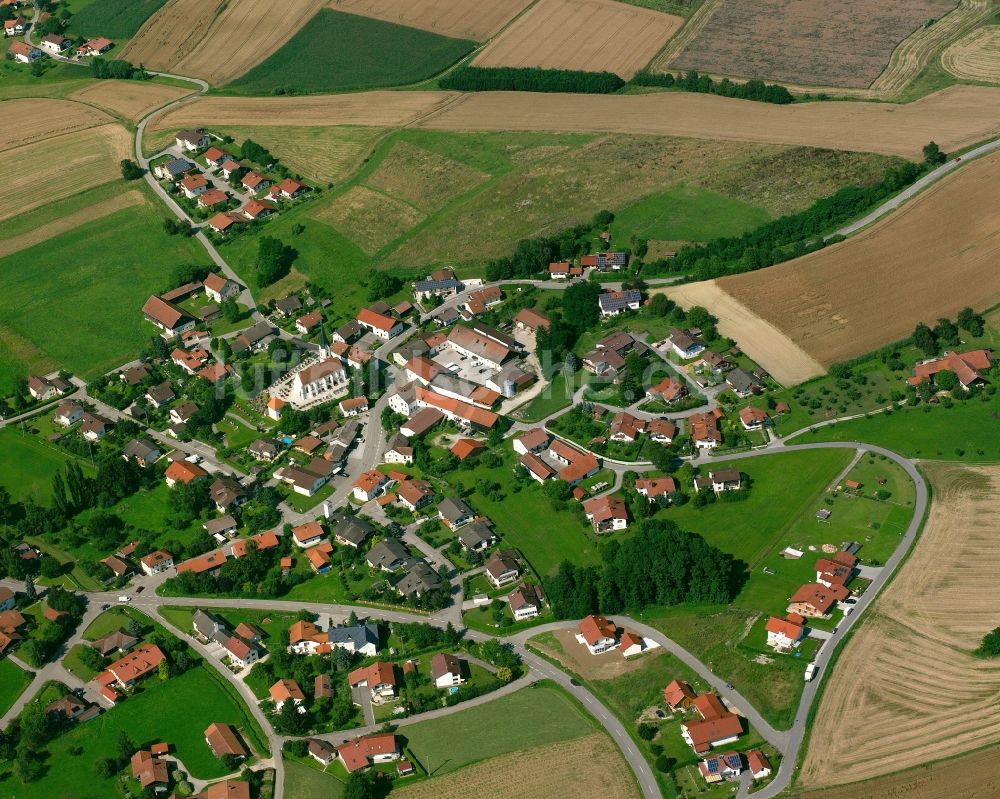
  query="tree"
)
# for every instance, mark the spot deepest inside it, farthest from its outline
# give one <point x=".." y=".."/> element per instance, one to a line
<point x="126" y="746"/>
<point x="946" y="332"/>
<point x="971" y="321"/>
<point x="363" y="785"/>
<point x="933" y="155"/>
<point x="580" y="308"/>
<point x="923" y="339"/>
<point x="990" y="646"/>
<point x="29" y="589"/>
<point x="29" y="766"/>
<point x="230" y="309"/>
<point x="648" y="731"/>
<point x="106" y="767"/>
<point x="504" y="674"/>
<point x="382" y="284"/>
<point x="946" y="380"/>
<point x="131" y="170"/>
<point x="274" y="260"/>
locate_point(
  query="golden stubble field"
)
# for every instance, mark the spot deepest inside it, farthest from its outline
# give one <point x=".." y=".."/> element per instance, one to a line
<point x="39" y="118"/>
<point x="907" y="690"/>
<point x="976" y="57"/>
<point x="592" y="765"/>
<point x="837" y="43"/>
<point x="217" y="41"/>
<point x="477" y="20"/>
<point x="592" y="35"/>
<point x="129" y="98"/>
<point x="927" y="260"/>
<point x="60" y="166"/>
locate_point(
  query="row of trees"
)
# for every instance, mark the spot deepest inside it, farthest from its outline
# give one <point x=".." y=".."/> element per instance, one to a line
<point x="660" y="565"/>
<point x="117" y="69"/>
<point x="946" y="333"/>
<point x="530" y="79"/>
<point x="693" y="82"/>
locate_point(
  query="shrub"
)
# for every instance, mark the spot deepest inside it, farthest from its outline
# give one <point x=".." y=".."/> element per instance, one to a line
<point x="530" y="79"/>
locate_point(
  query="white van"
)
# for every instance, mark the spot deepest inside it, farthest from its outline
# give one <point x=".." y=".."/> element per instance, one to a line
<point x="811" y="670"/>
<point x="124" y="599"/>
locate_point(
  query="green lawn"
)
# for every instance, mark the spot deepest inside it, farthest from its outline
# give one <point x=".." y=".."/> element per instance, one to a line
<point x="270" y="621"/>
<point x="115" y="19"/>
<point x="177" y="711"/>
<point x="967" y="431"/>
<point x="686" y="213"/>
<point x="526" y="519"/>
<point x="111" y="620"/>
<point x="13" y="681"/>
<point x="73" y="661"/>
<point x="75" y="299"/>
<point x="29" y="463"/>
<point x="305" y="782"/>
<point x="533" y="716"/>
<point x="335" y="51"/>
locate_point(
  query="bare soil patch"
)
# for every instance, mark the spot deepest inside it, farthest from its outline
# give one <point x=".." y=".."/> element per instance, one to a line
<point x="130" y="99"/>
<point x="976" y="57"/>
<point x="592" y="765"/>
<point x="369" y="218"/>
<point x="60" y="166"/>
<point x="787" y="362"/>
<point x="38" y="119"/>
<point x="907" y="686"/>
<point x="461" y="19"/>
<point x="244" y="34"/>
<point x="955" y="117"/>
<point x="425" y="179"/>
<point x="575" y="656"/>
<point x="928" y="260"/>
<point x="592" y="35"/>
<point x="61" y="225"/>
<point x="172" y="33"/>
<point x="838" y="43"/>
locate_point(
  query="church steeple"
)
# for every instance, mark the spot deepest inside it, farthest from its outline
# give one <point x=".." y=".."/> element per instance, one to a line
<point x="324" y="343"/>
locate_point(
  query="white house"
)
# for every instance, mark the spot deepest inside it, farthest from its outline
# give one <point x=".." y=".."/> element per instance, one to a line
<point x="446" y="670"/>
<point x="219" y="288"/>
<point x="156" y="562"/>
<point x="784" y="634"/>
<point x="597" y="634"/>
<point x="685" y="346"/>
<point x="192" y="140"/>
<point x="385" y="327"/>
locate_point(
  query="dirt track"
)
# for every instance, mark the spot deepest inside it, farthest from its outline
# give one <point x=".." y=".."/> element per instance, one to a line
<point x="594" y="35"/>
<point x="931" y="258"/>
<point x="762" y="341"/>
<point x="906" y="686"/>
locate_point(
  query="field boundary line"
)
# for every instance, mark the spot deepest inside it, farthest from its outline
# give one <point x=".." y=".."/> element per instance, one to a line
<point x="692" y="26"/>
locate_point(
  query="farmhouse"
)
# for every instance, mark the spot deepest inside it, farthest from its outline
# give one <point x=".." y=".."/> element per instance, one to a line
<point x="576" y="465"/>
<point x="606" y="513"/>
<point x="530" y="321"/>
<point x="814" y="600"/>
<point x="445" y="287"/>
<point x="968" y="367"/>
<point x="219" y="288"/>
<point x="538" y="469"/>
<point x="353" y="406"/>
<point x="480" y="301"/>
<point x="612" y="303"/>
<point x="208" y="562"/>
<point x="717" y="726"/>
<point x="563" y="270"/>
<point x="598" y="634"/>
<point x="223" y="740"/>
<point x="525" y="601"/>
<point x="785" y="634"/>
<point x="13" y="27"/>
<point x="385" y="327"/>
<point x="446" y="670"/>
<point x="837" y="570"/>
<point x="168" y="317"/>
<point x="363" y="752"/>
<point x="128" y="670"/>
<point x="156" y="562"/>
<point x="253" y="339"/>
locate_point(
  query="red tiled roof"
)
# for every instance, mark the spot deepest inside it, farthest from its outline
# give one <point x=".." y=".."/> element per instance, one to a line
<point x="594" y="628"/>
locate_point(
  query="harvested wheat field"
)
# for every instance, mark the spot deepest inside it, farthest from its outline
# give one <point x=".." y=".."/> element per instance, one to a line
<point x="787" y="363"/>
<point x="129" y="98"/>
<point x="70" y="221"/>
<point x="593" y="765"/>
<point x="423" y="178"/>
<point x="976" y="57"/>
<point x="931" y="258"/>
<point x="244" y="34"/>
<point x="61" y="166"/>
<point x="171" y="34"/>
<point x="461" y="19"/>
<point x="369" y="218"/>
<point x="906" y="685"/>
<point x="39" y="119"/>
<point x="836" y="43"/>
<point x="591" y="35"/>
<point x="955" y="117"/>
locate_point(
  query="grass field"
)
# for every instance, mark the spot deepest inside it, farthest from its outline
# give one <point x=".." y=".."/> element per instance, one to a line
<point x="114" y="19"/>
<point x="304" y="782"/>
<point x="335" y="51"/>
<point x="76" y="298"/>
<point x="686" y="213"/>
<point x="13" y="681"/>
<point x="533" y="716"/>
<point x="28" y="464"/>
<point x="161" y="711"/>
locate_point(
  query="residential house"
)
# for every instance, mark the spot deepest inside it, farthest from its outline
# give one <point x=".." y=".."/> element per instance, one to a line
<point x="480" y="301"/>
<point x="323" y="687"/>
<point x="358" y="639"/>
<point x="754" y="418"/>
<point x="814" y="600"/>
<point x="24" y="53"/>
<point x="160" y="395"/>
<point x="348" y="332"/>
<point x="414" y="494"/>
<point x="208" y="562"/>
<point x="725" y="480"/>
<point x="604" y="261"/>
<point x="305" y="638"/>
<point x="624" y="427"/>
<point x="398" y="450"/>
<point x="631" y="644"/>
<point x="207" y="625"/>
<point x="678" y="695"/>
<point x="308" y="534"/>
<point x="265" y="449"/>
<point x="704" y="429"/>
<point x="56" y="43"/>
<point x="319" y="557"/>
<point x="192" y="140"/>
<point x="288" y="306"/>
<point x="168" y="317"/>
<point x="419" y="579"/>
<point x="656" y="489"/>
<point x="454" y="512"/>
<point x="224" y="221"/>
<point x="174" y="169"/>
<point x="530" y="321"/>
<point x="118" y="641"/>
<point x="668" y="390"/>
<point x="184" y="472"/>
<point x="241" y="652"/>
<point x="67" y="709"/>
<point x="785" y="634"/>
<point x="214" y="157"/>
<point x="369" y="485"/>
<point x="721" y="767"/>
<point x="129" y="669"/>
<point x="684" y="345"/>
<point x="221" y="527"/>
<point x="606" y="513"/>
<point x="322" y="752"/>
<point x="743" y="383"/>
<point x="502" y="568"/>
<point x="525" y="601"/>
<point x="193" y="185"/>
<point x="14" y="26"/>
<point x="229" y="167"/>
<point x="227" y="789"/>
<point x="261" y="542"/>
<point x="564" y="270"/>
<point x="95" y="47"/>
<point x="758" y="764"/>
<point x="8" y="598"/>
<point x="353" y="406"/>
<point x="156" y="562"/>
<point x="254" y="182"/>
<point x="255" y="209"/>
<point x="379" y="678"/>
<point x="150" y="771"/>
<point x="117" y="566"/>
<point x="446" y="287"/>
<point x="43" y="388"/>
<point x="290" y="189"/>
<point x="219" y="288"/>
<point x="361" y="753"/>
<point x="612" y="303"/>
<point x="306" y="323"/>
<point x="254" y="339"/>
<point x="226" y="493"/>
<point x="388" y="555"/>
<point x="68" y="413"/>
<point x="717" y="726"/>
<point x="385" y="327"/>
<point x="837" y="570"/>
<point x="94" y="427"/>
<point x="212" y="198"/>
<point x="597" y="634"/>
<point x="287" y="691"/>
<point x="446" y="670"/>
<point x="223" y="740"/>
<point x="350" y="530"/>
<point x="477" y="537"/>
